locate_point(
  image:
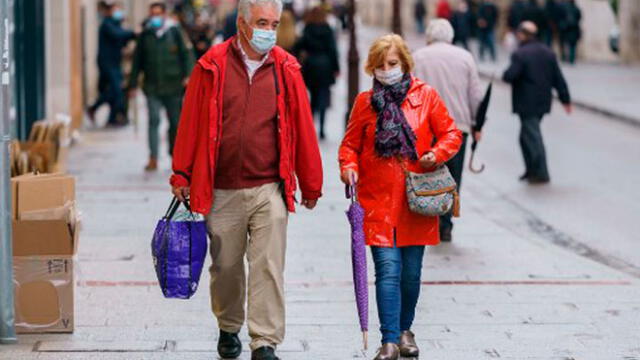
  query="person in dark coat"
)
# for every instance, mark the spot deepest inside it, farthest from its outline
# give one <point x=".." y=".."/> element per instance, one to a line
<point x="461" y="20"/>
<point x="165" y="58"/>
<point x="230" y="28"/>
<point x="569" y="28"/>
<point x="112" y="38"/>
<point x="318" y="51"/>
<point x="419" y="13"/>
<point x="516" y="12"/>
<point x="536" y="14"/>
<point x="533" y="73"/>
<point x="554" y="14"/>
<point x="487" y="20"/>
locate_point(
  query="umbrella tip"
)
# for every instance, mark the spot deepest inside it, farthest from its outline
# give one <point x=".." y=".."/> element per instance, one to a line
<point x="365" y="339"/>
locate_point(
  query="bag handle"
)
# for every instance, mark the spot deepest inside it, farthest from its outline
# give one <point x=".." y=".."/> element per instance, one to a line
<point x="173" y="207"/>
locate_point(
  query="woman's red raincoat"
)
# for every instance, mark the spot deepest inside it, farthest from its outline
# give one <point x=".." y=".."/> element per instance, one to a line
<point x="381" y="186"/>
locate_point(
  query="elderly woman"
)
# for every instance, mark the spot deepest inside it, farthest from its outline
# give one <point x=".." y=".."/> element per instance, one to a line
<point x="400" y="123"/>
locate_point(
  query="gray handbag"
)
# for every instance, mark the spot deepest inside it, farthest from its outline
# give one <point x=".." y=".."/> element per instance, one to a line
<point x="433" y="193"/>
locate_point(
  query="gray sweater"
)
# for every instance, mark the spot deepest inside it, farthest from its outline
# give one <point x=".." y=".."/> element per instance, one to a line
<point x="452" y="71"/>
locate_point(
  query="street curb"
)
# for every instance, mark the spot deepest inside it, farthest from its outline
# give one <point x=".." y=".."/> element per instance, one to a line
<point x="625" y="119"/>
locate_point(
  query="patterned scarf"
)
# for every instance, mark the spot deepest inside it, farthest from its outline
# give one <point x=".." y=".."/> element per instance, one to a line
<point x="394" y="136"/>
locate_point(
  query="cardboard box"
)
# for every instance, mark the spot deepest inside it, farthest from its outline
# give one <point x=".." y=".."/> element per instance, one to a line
<point x="44" y="294"/>
<point x="40" y="192"/>
<point x="45" y="240"/>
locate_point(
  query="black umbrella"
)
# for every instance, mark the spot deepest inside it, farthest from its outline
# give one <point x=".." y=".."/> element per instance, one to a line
<point x="481" y="118"/>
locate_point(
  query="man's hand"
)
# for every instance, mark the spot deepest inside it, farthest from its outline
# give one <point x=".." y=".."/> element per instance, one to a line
<point x="477" y="136"/>
<point x="309" y="204"/>
<point x="182" y="193"/>
<point x="132" y="93"/>
<point x="568" y="108"/>
<point x="428" y="160"/>
<point x="349" y="177"/>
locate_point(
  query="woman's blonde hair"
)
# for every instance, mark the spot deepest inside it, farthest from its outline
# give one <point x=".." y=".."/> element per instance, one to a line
<point x="380" y="48"/>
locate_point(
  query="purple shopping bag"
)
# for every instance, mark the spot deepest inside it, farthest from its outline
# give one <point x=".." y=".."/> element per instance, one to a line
<point x="179" y="249"/>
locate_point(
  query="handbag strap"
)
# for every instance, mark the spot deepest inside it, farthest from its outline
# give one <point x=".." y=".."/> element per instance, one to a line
<point x="173" y="207"/>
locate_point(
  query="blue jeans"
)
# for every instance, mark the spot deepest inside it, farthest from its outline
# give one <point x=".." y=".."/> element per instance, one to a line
<point x="398" y="273"/>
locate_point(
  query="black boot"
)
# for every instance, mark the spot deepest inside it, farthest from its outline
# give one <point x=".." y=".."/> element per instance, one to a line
<point x="445" y="234"/>
<point x="229" y="345"/>
<point x="264" y="353"/>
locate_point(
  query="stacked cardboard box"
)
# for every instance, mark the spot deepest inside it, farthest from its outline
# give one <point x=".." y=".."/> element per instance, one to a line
<point x="45" y="241"/>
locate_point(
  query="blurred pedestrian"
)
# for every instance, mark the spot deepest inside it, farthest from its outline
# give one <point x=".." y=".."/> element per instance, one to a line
<point x="569" y="29"/>
<point x="553" y="12"/>
<point x="320" y="66"/>
<point x="533" y="73"/>
<point x="487" y="20"/>
<point x="342" y="13"/>
<point x="200" y="35"/>
<point x="112" y="39"/>
<point x="230" y="29"/>
<point x="419" y="14"/>
<point x="443" y="10"/>
<point x="400" y="122"/>
<point x="241" y="144"/>
<point x="516" y="12"/>
<point x="287" y="36"/>
<point x="326" y="6"/>
<point x="166" y="58"/>
<point x="462" y="22"/>
<point x="453" y="73"/>
<point x="535" y="13"/>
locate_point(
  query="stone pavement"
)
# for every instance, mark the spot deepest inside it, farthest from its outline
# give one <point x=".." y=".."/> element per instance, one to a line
<point x="501" y="290"/>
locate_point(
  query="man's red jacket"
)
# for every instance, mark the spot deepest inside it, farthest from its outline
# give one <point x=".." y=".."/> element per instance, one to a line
<point x="200" y="130"/>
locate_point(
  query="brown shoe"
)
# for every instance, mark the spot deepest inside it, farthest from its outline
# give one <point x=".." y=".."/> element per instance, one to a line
<point x="388" y="351"/>
<point x="152" y="165"/>
<point x="408" y="346"/>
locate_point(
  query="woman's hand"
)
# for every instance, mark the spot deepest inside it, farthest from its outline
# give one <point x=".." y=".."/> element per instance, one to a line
<point x="182" y="193"/>
<point x="428" y="160"/>
<point x="349" y="177"/>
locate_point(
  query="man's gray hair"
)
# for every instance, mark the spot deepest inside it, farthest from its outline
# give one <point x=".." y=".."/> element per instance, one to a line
<point x="440" y="30"/>
<point x="244" y="6"/>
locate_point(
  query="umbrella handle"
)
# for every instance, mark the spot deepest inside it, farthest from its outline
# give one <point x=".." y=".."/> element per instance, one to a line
<point x="365" y="339"/>
<point x="471" y="168"/>
<point x="351" y="191"/>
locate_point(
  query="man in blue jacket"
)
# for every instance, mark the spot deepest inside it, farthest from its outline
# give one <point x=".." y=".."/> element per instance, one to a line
<point x="533" y="73"/>
<point x="112" y="39"/>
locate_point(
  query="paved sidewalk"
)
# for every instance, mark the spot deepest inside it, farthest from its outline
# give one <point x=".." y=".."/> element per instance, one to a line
<point x="499" y="291"/>
<point x="611" y="89"/>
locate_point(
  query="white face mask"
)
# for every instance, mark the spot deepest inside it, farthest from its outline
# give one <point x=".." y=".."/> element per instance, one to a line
<point x="389" y="77"/>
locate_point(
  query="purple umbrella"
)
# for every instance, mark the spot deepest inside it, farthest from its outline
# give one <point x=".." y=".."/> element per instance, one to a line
<point x="355" y="214"/>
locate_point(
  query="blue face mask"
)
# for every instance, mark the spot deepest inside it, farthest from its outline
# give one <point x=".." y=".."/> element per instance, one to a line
<point x="263" y="40"/>
<point x="118" y="15"/>
<point x="156" y="21"/>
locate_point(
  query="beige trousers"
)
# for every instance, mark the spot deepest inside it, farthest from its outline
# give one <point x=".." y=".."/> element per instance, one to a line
<point x="252" y="223"/>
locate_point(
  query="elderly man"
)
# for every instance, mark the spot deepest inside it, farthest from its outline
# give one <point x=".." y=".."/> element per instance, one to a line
<point x="533" y="72"/>
<point x="452" y="71"/>
<point x="246" y="132"/>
